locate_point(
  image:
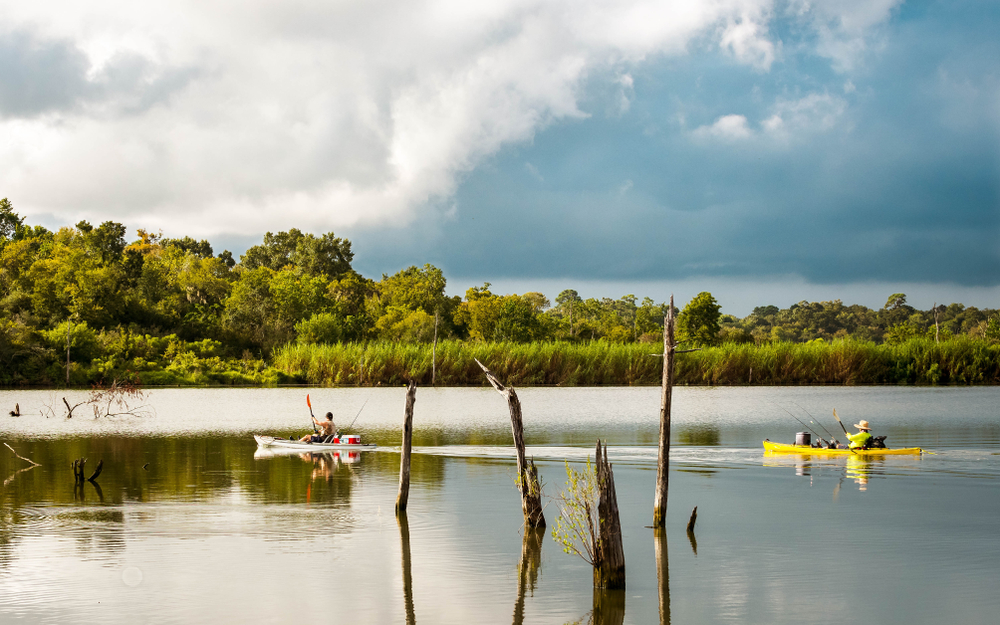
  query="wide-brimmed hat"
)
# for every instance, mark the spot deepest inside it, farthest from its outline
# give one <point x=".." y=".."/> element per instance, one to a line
<point x="863" y="425"/>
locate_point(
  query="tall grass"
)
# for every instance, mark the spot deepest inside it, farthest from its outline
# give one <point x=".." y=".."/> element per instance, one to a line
<point x="918" y="361"/>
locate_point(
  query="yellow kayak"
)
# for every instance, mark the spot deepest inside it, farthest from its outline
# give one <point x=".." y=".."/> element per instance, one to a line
<point x="819" y="451"/>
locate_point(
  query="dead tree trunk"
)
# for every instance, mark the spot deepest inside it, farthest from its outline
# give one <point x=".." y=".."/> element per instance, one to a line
<point x="404" y="459"/>
<point x="609" y="565"/>
<point x="78" y="466"/>
<point x="527" y="473"/>
<point x="666" y="392"/>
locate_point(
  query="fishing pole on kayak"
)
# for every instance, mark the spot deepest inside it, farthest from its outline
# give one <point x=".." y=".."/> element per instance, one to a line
<point x="800" y="421"/>
<point x="309" y="403"/>
<point x="359" y="411"/>
<point x="828" y="433"/>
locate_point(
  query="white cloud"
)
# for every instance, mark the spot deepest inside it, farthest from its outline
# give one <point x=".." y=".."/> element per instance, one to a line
<point x="846" y="29"/>
<point x="321" y="115"/>
<point x="727" y="127"/>
<point x="816" y="112"/>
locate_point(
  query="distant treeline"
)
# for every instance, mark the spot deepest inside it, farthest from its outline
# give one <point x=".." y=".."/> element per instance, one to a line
<point x="293" y="309"/>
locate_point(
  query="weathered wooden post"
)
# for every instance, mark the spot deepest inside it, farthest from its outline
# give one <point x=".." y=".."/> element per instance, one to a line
<point x="527" y="473"/>
<point x="527" y="568"/>
<point x="662" y="573"/>
<point x="666" y="391"/>
<point x="404" y="538"/>
<point x="609" y="569"/>
<point x="404" y="459"/>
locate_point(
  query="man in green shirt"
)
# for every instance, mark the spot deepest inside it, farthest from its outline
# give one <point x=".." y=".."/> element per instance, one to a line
<point x="860" y="440"/>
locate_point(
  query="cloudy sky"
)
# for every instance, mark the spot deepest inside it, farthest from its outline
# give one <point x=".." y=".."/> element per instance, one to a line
<point x="766" y="151"/>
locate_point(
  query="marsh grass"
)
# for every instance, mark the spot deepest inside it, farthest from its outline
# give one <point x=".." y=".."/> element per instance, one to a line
<point x="917" y="361"/>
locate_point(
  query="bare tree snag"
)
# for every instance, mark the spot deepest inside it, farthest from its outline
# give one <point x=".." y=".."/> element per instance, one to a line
<point x="666" y="392"/>
<point x="691" y="521"/>
<point x="33" y="463"/>
<point x="609" y="565"/>
<point x="16" y="412"/>
<point x="97" y="472"/>
<point x="404" y="459"/>
<point x="70" y="409"/>
<point x="527" y="568"/>
<point x="527" y="473"/>
<point x="78" y="466"/>
<point x="662" y="573"/>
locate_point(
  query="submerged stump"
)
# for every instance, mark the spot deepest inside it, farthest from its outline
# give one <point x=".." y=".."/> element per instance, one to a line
<point x="609" y="560"/>
<point x="407" y="443"/>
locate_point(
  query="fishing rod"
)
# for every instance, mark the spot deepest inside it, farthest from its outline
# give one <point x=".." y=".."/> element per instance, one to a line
<point x="359" y="411"/>
<point x="828" y="433"/>
<point x="800" y="421"/>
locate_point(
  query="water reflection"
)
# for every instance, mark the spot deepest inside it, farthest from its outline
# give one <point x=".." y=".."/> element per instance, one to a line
<point x="662" y="573"/>
<point x="404" y="539"/>
<point x="609" y="607"/>
<point x="708" y="435"/>
<point x="528" y="568"/>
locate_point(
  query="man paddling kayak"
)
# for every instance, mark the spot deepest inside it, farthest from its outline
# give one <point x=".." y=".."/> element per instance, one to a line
<point x="862" y="438"/>
<point x="326" y="428"/>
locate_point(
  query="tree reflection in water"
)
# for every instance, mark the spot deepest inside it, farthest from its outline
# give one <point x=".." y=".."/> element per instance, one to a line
<point x="404" y="538"/>
<point x="663" y="571"/>
<point x="528" y="568"/>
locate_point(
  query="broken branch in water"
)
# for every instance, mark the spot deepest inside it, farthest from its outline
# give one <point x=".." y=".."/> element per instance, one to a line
<point x="33" y="463"/>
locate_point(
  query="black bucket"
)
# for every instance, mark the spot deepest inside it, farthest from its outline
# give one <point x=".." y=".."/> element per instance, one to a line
<point x="803" y="438"/>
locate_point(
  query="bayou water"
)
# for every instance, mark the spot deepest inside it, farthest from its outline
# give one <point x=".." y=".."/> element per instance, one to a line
<point x="189" y="522"/>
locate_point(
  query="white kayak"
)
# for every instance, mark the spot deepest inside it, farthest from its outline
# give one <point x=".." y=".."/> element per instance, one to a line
<point x="348" y="442"/>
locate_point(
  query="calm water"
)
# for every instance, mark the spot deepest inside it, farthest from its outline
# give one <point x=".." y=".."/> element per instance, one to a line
<point x="192" y="524"/>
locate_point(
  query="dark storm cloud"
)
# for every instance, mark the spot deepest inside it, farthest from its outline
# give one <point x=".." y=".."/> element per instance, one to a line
<point x="890" y="172"/>
<point x="40" y="76"/>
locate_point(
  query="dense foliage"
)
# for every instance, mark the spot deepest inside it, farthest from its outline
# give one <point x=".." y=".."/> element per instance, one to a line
<point x="85" y="304"/>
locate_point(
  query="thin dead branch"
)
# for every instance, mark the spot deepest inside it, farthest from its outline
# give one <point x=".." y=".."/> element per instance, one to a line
<point x="33" y="463"/>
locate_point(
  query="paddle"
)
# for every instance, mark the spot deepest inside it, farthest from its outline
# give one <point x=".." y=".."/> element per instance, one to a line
<point x="845" y="430"/>
<point x="309" y="403"/>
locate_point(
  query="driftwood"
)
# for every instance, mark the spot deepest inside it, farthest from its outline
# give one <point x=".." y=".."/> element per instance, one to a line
<point x="691" y="521"/>
<point x="33" y="463"/>
<point x="527" y="568"/>
<point x="666" y="392"/>
<point x="690" y="530"/>
<point x="662" y="573"/>
<point x="609" y="561"/>
<point x="527" y="472"/>
<point x="404" y="538"/>
<point x="404" y="459"/>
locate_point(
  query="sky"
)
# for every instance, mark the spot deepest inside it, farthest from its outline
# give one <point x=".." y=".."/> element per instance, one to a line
<point x="769" y="152"/>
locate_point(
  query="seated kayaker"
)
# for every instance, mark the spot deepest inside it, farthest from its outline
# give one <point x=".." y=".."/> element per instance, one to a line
<point x="861" y="439"/>
<point x="326" y="428"/>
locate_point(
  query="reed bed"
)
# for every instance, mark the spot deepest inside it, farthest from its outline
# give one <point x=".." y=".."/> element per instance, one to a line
<point x="845" y="362"/>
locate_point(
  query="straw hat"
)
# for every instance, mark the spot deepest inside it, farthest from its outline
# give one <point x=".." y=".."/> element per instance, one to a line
<point x="863" y="425"/>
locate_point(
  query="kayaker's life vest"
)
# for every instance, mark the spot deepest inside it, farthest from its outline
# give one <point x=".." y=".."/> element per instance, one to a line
<point x="859" y="440"/>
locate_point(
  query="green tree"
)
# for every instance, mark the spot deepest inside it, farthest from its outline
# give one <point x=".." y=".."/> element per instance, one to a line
<point x="327" y="255"/>
<point x="699" y="321"/>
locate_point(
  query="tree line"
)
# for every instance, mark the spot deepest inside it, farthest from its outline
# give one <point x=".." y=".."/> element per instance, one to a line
<point x="156" y="303"/>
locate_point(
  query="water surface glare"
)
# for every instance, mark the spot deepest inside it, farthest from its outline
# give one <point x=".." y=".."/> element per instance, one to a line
<point x="190" y="522"/>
